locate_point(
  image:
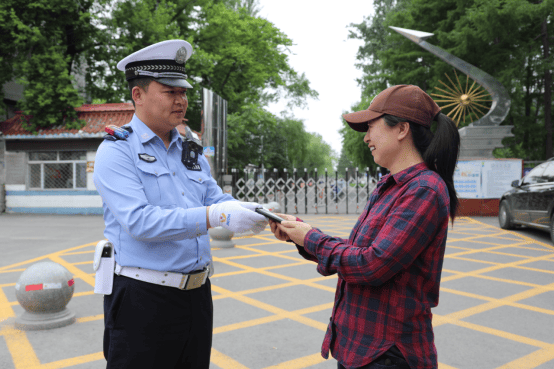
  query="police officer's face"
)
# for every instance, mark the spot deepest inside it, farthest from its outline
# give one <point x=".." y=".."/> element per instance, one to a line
<point x="164" y="105"/>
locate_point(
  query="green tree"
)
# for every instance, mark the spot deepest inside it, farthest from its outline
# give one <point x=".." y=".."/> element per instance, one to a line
<point x="355" y="152"/>
<point x="247" y="131"/>
<point x="241" y="57"/>
<point x="257" y="137"/>
<point x="519" y="56"/>
<point x="237" y="55"/>
<point x="128" y="27"/>
<point x="252" y="7"/>
<point x="344" y="163"/>
<point x="42" y="44"/>
<point x="319" y="154"/>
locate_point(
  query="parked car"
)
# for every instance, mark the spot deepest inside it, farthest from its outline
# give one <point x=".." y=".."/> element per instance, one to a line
<point x="531" y="201"/>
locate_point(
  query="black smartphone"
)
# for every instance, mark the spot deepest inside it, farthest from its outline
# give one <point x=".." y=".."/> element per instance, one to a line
<point x="268" y="214"/>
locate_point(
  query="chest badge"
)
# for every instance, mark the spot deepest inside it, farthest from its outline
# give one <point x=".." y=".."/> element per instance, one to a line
<point x="147" y="158"/>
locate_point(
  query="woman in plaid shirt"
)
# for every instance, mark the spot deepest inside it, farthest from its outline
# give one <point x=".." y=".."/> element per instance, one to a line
<point x="389" y="268"/>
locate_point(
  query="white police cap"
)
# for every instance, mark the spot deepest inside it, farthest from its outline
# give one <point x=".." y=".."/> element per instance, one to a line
<point x="164" y="61"/>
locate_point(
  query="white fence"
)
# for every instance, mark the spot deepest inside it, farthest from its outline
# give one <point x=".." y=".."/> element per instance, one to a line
<point x="297" y="193"/>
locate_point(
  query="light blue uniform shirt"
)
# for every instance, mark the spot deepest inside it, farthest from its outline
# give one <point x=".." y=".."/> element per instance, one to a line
<point x="155" y="212"/>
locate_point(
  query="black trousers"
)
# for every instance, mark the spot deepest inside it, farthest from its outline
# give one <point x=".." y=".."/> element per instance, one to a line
<point x="391" y="359"/>
<point x="152" y="326"/>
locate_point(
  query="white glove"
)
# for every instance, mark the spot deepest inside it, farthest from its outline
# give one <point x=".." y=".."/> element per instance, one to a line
<point x="250" y="205"/>
<point x="236" y="218"/>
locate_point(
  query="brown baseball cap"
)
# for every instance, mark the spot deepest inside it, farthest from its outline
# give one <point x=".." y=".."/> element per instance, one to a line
<point x="403" y="101"/>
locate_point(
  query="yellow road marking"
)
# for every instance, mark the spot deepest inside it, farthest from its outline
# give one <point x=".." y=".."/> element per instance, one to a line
<point x="73" y="361"/>
<point x="87" y="278"/>
<point x="82" y="262"/>
<point x="299" y="363"/>
<point x="6" y="310"/>
<point x="477" y="251"/>
<point x="89" y="318"/>
<point x="247" y="324"/>
<point x="532" y="360"/>
<point x="21" y="350"/>
<point x="86" y="293"/>
<point x="46" y="256"/>
<point x="496" y="266"/>
<point x="509" y="300"/>
<point x="293" y="281"/>
<point x="269" y="319"/>
<point x="224" y="361"/>
<point x="550" y="246"/>
<point x="466" y="228"/>
<point x="80" y="252"/>
<point x="272" y="309"/>
<point x="444" y="366"/>
<point x="12" y="271"/>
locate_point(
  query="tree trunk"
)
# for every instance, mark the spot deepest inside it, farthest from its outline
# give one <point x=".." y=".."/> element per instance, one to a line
<point x="547" y="91"/>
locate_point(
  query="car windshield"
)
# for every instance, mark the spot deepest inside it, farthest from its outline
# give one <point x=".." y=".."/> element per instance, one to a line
<point x="548" y="174"/>
<point x="534" y="176"/>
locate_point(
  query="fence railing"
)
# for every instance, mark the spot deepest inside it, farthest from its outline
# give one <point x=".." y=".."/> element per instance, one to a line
<point x="303" y="192"/>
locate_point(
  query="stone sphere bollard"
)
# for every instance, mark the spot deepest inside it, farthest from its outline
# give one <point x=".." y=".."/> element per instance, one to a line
<point x="221" y="237"/>
<point x="43" y="290"/>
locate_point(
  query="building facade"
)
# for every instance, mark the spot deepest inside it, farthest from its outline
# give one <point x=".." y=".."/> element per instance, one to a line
<point x="51" y="171"/>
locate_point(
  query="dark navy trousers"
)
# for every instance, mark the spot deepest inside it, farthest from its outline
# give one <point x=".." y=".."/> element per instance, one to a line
<point x="152" y="326"/>
<point x="391" y="359"/>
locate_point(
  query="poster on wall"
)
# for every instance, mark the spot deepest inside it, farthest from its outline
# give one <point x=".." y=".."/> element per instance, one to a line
<point x="486" y="179"/>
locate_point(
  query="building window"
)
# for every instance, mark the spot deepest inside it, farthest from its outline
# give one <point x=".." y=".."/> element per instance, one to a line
<point x="57" y="170"/>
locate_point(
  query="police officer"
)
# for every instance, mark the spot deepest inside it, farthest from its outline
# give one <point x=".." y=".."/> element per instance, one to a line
<point x="159" y="200"/>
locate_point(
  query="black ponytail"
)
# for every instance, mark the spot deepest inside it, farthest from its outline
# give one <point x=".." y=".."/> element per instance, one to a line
<point x="439" y="150"/>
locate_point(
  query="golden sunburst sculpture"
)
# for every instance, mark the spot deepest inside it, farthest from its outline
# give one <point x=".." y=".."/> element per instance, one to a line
<point x="464" y="103"/>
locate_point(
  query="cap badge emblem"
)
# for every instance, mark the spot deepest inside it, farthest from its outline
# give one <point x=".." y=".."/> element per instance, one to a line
<point x="181" y="55"/>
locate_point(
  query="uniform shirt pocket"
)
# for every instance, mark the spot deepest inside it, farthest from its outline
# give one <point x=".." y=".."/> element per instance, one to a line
<point x="198" y="185"/>
<point x="158" y="185"/>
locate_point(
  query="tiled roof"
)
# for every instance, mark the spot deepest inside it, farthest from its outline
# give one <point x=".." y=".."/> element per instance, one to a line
<point x="96" y="116"/>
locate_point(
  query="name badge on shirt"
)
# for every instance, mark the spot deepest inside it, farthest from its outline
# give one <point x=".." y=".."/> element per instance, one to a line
<point x="147" y="158"/>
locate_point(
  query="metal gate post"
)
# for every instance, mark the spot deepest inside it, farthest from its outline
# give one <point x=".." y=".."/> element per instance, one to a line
<point x="337" y="191"/>
<point x="315" y="191"/>
<point x="325" y="189"/>
<point x="275" y="176"/>
<point x="295" y="193"/>
<point x="285" y="190"/>
<point x="357" y="194"/>
<point x="305" y="176"/>
<point x="367" y="181"/>
<point x="245" y="185"/>
<point x="346" y="188"/>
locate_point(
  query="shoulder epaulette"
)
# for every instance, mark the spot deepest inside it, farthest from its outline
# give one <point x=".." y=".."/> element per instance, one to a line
<point x="115" y="133"/>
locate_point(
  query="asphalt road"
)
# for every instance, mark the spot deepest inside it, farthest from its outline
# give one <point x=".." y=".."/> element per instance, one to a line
<point x="271" y="307"/>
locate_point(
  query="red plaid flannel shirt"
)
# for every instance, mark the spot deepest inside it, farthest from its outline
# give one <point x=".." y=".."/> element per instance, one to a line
<point x="388" y="271"/>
